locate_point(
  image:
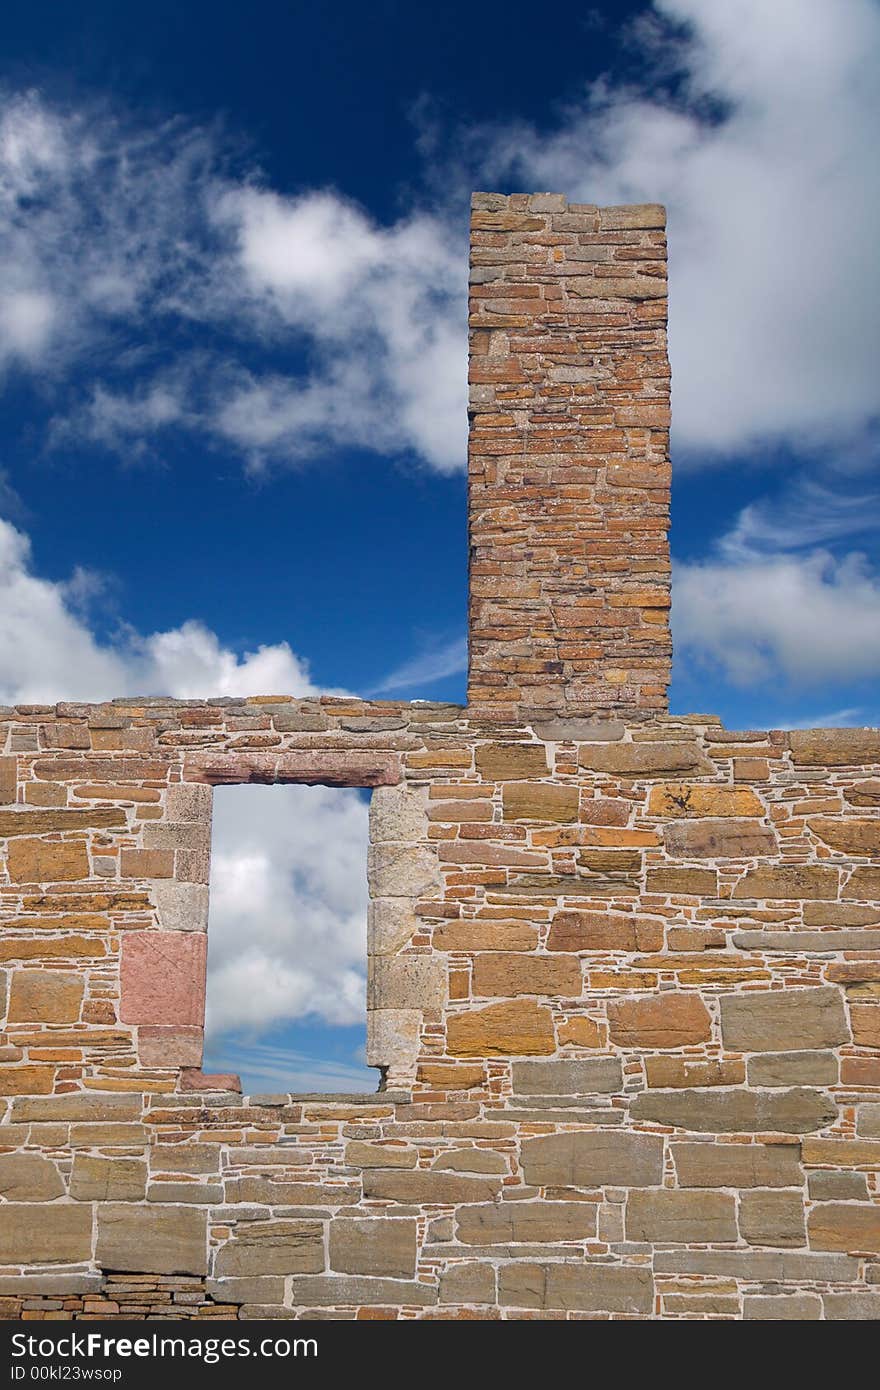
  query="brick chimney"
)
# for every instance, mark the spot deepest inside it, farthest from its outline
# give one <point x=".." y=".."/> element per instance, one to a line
<point x="568" y="459"/>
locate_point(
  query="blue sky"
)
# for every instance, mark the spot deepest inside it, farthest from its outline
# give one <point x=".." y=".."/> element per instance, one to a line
<point x="232" y="345"/>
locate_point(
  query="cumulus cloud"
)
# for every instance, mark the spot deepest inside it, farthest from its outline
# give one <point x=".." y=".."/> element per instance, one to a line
<point x="762" y="142"/>
<point x="48" y="651"/>
<point x="287" y="933"/>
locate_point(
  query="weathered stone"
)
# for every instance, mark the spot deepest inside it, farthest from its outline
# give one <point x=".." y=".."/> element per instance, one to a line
<point x="793" y="943"/>
<point x="680" y="1217"/>
<point x="677" y="799"/>
<point x="577" y="1287"/>
<point x="393" y="1042"/>
<point x="355" y="1290"/>
<point x="152" y="1239"/>
<point x="834" y="747"/>
<point x="865" y="793"/>
<point x="593" y="1159"/>
<point x="361" y="1155"/>
<point x="402" y="870"/>
<point x="52" y="948"/>
<point x="470" y="1161"/>
<point x="47" y="861"/>
<point x="162" y="977"/>
<point x="764" y="1266"/>
<point x="737" y="1165"/>
<point x="27" y="1080"/>
<point x="772" y="1218"/>
<point x="855" y="1153"/>
<point x="42" y="822"/>
<point x="793" y="1307"/>
<point x="737" y="1111"/>
<point x="784" y="1019"/>
<point x="167" y="1046"/>
<point x="379" y="1245"/>
<point x="846" y="1226"/>
<point x="663" y="1020"/>
<point x="29" y="1177"/>
<point x="718" y="839"/>
<point x="825" y="1186"/>
<point x="45" y="1233"/>
<point x="468" y="1282"/>
<point x="666" y="1071"/>
<point x="8" y="780"/>
<point x="579" y="730"/>
<point x="863" y="884"/>
<point x="521" y="1028"/>
<point x="45" y="996"/>
<point x="568" y="1077"/>
<point x="398" y="813"/>
<point x="485" y="936"/>
<point x="868" y="1121"/>
<point x="604" y="931"/>
<point x="391" y="925"/>
<point x="788" y="881"/>
<point x="87" y="1106"/>
<point x="508" y="762"/>
<point x="500" y="973"/>
<point x="97" y="1179"/>
<point x="644" y="759"/>
<point x="793" y="1069"/>
<point x="406" y="982"/>
<point x="497" y="1223"/>
<point x="181" y="906"/>
<point x="258" y="1248"/>
<point x="541" y="801"/>
<point x="431" y="1188"/>
<point x="691" y="882"/>
<point x="840" y="915"/>
<point x="855" y="1306"/>
<point x="269" y="1290"/>
<point x="848" y="835"/>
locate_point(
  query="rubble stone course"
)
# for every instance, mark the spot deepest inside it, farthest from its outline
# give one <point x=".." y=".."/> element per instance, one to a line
<point x="623" y="969"/>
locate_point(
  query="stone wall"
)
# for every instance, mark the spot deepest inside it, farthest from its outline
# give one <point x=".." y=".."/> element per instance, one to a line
<point x="623" y="967"/>
<point x="625" y="980"/>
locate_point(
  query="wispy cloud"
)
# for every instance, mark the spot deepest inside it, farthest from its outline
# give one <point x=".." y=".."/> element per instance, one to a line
<point x="277" y="1070"/>
<point x="433" y="664"/>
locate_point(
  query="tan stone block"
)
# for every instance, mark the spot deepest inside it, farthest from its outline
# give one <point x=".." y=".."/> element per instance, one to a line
<point x="152" y="1239"/>
<point x="87" y="1106"/>
<point x="737" y="1111"/>
<point x="408" y="981"/>
<point x="678" y="799"/>
<point x="363" y="1155"/>
<point x="788" y="881"/>
<point x="845" y="1226"/>
<point x="593" y="1158"/>
<point x="737" y="1165"/>
<point x="29" y="1177"/>
<point x="772" y="1218"/>
<point x="865" y="793"/>
<point x="847" y="1153"/>
<point x="793" y="1069"/>
<point x="398" y="813"/>
<point x="470" y="1161"/>
<point x="865" y="1019"/>
<point x="147" y="863"/>
<point x="40" y="822"/>
<point x="402" y="871"/>
<point x="503" y="1223"/>
<point x="665" y="1071"/>
<point x="520" y="1028"/>
<point x="391" y="925"/>
<point x="45" y="996"/>
<point x="511" y="974"/>
<point x="849" y="836"/>
<point x="485" y="936"/>
<point x="47" y="861"/>
<point x="357" y="1291"/>
<point x="428" y="1188"/>
<point x="451" y="1076"/>
<point x="51" y="948"/>
<point x="593" y="1287"/>
<point x="664" y="1020"/>
<point x="8" y="780"/>
<point x="540" y="801"/>
<point x="834" y="747"/>
<point x="604" y="931"/>
<point x="784" y="1020"/>
<point x="26" y="1081"/>
<point x="184" y="1158"/>
<point x="683" y="882"/>
<point x="49" y="1233"/>
<point x="680" y="1217"/>
<point x="581" y="1031"/>
<point x="793" y="1307"/>
<point x="468" y="1282"/>
<point x="568" y="1077"/>
<point x="852" y="1307"/>
<point x="751" y="770"/>
<point x="96" y="1179"/>
<point x="272" y="1247"/>
<point x="644" y="759"/>
<point x="510" y="762"/>
<point x="863" y="884"/>
<point x="718" y="839"/>
<point x="380" y="1245"/>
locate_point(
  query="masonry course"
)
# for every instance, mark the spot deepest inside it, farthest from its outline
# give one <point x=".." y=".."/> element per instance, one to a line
<point x="623" y="966"/>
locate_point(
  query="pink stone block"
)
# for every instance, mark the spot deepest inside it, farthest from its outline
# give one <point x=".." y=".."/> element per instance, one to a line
<point x="191" y="1079"/>
<point x="162" y="978"/>
<point x="166" y="1046"/>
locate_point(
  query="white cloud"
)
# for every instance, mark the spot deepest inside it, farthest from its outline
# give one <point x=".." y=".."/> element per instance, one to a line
<point x="766" y="158"/>
<point x="807" y="617"/>
<point x="48" y="652"/>
<point x="433" y="664"/>
<point x="287" y="936"/>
